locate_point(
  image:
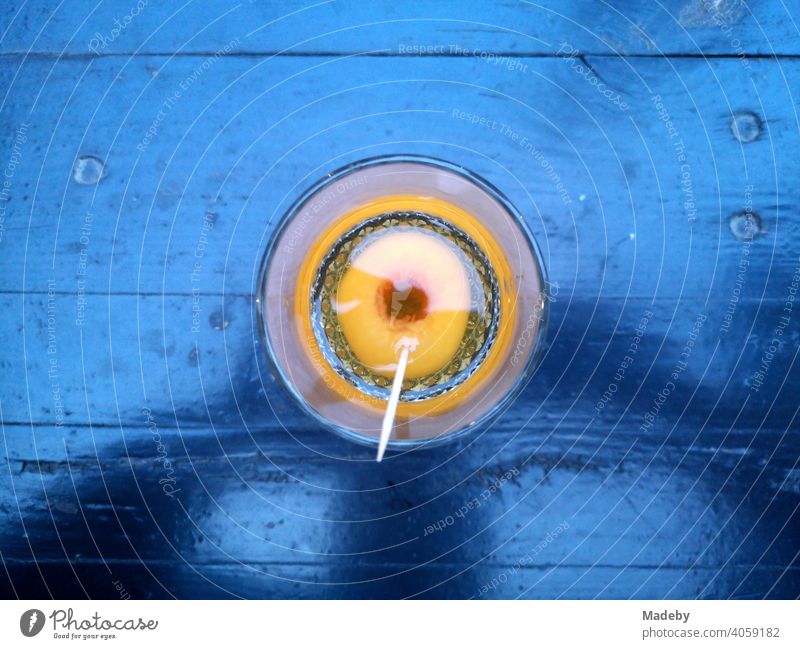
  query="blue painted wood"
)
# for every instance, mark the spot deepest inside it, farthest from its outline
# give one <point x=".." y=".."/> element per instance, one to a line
<point x="144" y="447"/>
<point x="429" y="27"/>
<point x="133" y="353"/>
<point x="245" y="509"/>
<point x="620" y="170"/>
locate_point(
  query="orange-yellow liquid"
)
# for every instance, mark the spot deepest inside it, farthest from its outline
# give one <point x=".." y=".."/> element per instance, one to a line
<point x="407" y="288"/>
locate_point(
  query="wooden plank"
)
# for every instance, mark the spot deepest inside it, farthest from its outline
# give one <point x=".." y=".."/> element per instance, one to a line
<point x="582" y="514"/>
<point x="615" y="207"/>
<point x="359" y="582"/>
<point x="132" y="353"/>
<point x="729" y="27"/>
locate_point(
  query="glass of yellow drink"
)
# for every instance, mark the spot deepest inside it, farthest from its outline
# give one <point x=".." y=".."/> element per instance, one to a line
<point x="393" y="252"/>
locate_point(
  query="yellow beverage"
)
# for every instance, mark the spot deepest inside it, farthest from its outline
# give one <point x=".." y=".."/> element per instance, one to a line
<point x="402" y="253"/>
<point x="406" y="271"/>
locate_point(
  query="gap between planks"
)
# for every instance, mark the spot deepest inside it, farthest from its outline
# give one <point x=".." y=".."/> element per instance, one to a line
<point x="387" y="54"/>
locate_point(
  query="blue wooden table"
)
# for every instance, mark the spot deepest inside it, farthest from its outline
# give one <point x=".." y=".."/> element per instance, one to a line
<point x="148" y="150"/>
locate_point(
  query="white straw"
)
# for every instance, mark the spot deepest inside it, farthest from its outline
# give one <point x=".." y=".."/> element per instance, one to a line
<point x="394" y="398"/>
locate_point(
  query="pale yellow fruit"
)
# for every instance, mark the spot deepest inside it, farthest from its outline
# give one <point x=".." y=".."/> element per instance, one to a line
<point x="409" y="288"/>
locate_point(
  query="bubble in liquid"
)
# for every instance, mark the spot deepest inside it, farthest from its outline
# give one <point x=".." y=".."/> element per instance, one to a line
<point x="88" y="170"/>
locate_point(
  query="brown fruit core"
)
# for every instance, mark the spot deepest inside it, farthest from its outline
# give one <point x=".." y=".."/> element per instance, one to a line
<point x="403" y="301"/>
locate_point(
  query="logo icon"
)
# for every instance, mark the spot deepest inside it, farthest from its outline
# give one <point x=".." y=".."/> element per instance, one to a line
<point x="31" y="622"/>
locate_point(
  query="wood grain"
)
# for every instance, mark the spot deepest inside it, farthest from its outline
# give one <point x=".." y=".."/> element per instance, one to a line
<point x="635" y="27"/>
<point x="250" y="134"/>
